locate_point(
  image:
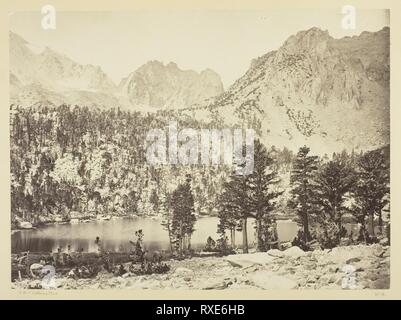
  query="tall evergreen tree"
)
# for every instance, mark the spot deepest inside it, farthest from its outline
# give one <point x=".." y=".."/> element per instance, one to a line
<point x="334" y="182"/>
<point x="371" y="192"/>
<point x="251" y="196"/>
<point x="183" y="219"/>
<point x="233" y="209"/>
<point x="303" y="190"/>
<point x="228" y="213"/>
<point x="262" y="193"/>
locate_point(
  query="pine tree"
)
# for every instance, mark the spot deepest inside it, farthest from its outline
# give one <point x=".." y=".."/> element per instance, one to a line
<point x="303" y="190"/>
<point x="183" y="219"/>
<point x="262" y="193"/>
<point x="166" y="213"/>
<point x="334" y="182"/>
<point x="371" y="192"/>
<point x="230" y="209"/>
<point x="250" y="196"/>
<point x="234" y="206"/>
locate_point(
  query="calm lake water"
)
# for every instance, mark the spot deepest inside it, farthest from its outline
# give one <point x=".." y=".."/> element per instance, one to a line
<point x="115" y="235"/>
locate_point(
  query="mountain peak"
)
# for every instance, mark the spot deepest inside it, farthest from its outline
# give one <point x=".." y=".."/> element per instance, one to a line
<point x="307" y="40"/>
<point x="172" y="65"/>
<point x="156" y="85"/>
<point x="300" y="92"/>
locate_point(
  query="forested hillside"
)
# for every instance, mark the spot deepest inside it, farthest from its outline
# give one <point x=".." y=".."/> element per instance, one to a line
<point x="71" y="160"/>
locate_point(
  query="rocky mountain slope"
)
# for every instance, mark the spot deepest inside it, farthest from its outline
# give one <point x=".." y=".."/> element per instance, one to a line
<point x="330" y="94"/>
<point x="44" y="76"/>
<point x="41" y="75"/>
<point x="156" y="85"/>
<point x="327" y="93"/>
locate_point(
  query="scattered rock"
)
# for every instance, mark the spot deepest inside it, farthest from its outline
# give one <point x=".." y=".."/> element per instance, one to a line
<point x="380" y="283"/>
<point x="311" y="279"/>
<point x="294" y="252"/>
<point x="275" y="253"/>
<point x="378" y="250"/>
<point x="36" y="267"/>
<point x="25" y="225"/>
<point x="340" y="255"/>
<point x="249" y="259"/>
<point x="310" y="266"/>
<point x="275" y="269"/>
<point x="35" y="284"/>
<point x="384" y="242"/>
<point x="335" y="278"/>
<point x="183" y="271"/>
<point x="269" y="281"/>
<point x="362" y="265"/>
<point x="213" y="284"/>
<point x="352" y="260"/>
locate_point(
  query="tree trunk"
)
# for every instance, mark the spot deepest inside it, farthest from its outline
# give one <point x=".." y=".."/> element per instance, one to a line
<point x="339" y="228"/>
<point x="244" y="236"/>
<point x="380" y="221"/>
<point x="170" y="236"/>
<point x="189" y="242"/>
<point x="232" y="236"/>
<point x="371" y="224"/>
<point x="306" y="228"/>
<point x="181" y="238"/>
<point x="259" y="240"/>
<point x="362" y="232"/>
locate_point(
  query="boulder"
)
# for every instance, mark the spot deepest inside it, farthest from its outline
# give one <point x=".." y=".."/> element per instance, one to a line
<point x="383" y="283"/>
<point x="340" y="255"/>
<point x="215" y="284"/>
<point x="275" y="253"/>
<point x="294" y="252"/>
<point x="352" y="260"/>
<point x="378" y="250"/>
<point x="249" y="259"/>
<point x="269" y="281"/>
<point x="35" y="284"/>
<point x="362" y="265"/>
<point x="25" y="225"/>
<point x="36" y="269"/>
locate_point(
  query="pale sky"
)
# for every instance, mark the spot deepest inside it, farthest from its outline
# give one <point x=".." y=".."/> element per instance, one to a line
<point x="224" y="41"/>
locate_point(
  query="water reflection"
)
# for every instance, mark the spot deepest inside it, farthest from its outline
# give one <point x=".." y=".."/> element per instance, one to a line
<point x="115" y="235"/>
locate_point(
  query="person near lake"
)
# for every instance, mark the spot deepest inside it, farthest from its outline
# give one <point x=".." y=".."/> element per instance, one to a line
<point x="98" y="243"/>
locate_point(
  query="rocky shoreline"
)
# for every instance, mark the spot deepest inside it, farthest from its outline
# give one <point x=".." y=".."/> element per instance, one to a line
<point x="347" y="267"/>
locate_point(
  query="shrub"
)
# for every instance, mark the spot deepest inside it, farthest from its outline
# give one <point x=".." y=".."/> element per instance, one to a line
<point x="143" y="262"/>
<point x="223" y="247"/>
<point x="329" y="235"/>
<point x="149" y="267"/>
<point x="210" y="245"/>
<point x="300" y="242"/>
